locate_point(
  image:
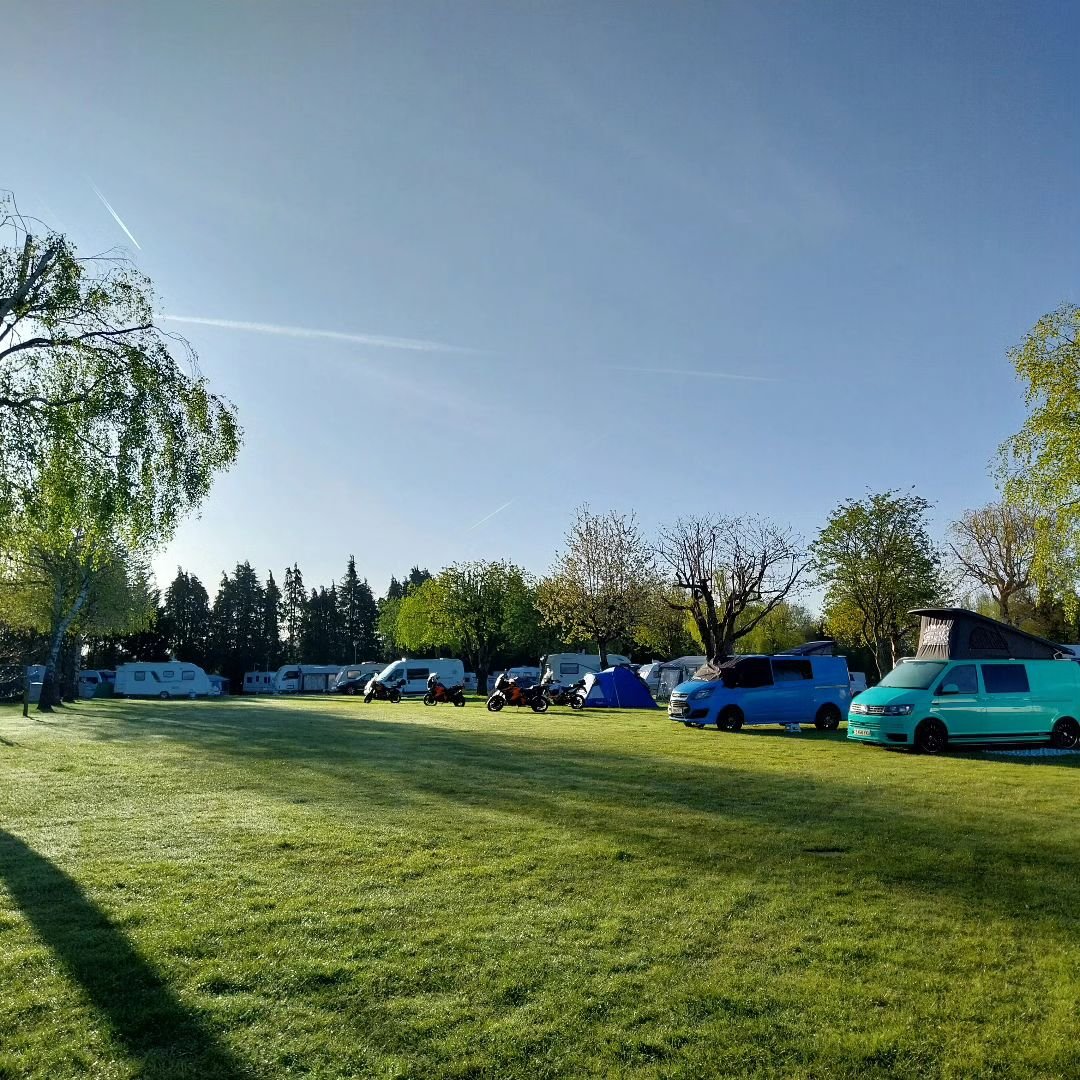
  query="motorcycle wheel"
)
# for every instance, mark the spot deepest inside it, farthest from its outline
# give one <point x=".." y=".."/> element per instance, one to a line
<point x="394" y="696"/>
<point x="577" y="702"/>
<point x="429" y="698"/>
<point x="367" y="698"/>
<point x="495" y="703"/>
<point x="459" y="701"/>
<point x="540" y="705"/>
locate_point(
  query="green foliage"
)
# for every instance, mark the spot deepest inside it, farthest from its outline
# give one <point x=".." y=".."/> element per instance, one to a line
<point x="779" y="629"/>
<point x="83" y="367"/>
<point x="602" y="581"/>
<point x="238" y="620"/>
<point x="293" y="612"/>
<point x="1040" y="464"/>
<point x="666" y="630"/>
<point x="877" y="561"/>
<point x="359" y="615"/>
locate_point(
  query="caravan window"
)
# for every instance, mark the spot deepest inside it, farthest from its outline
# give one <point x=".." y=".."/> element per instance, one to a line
<point x="569" y="669"/>
<point x="187" y="676"/>
<point x="792" y="670"/>
<point x="416" y="673"/>
<point x="168" y="673"/>
<point x="140" y="676"/>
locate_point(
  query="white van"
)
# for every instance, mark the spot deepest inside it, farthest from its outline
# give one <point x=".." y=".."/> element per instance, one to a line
<point x="161" y="680"/>
<point x="567" y="668"/>
<point x="305" y="678"/>
<point x="416" y="672"/>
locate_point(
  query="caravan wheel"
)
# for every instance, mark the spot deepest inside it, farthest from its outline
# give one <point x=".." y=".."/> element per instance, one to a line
<point x="164" y="695"/>
<point x="192" y="696"/>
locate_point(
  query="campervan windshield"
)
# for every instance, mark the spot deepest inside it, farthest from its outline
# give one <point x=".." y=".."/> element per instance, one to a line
<point x="913" y="674"/>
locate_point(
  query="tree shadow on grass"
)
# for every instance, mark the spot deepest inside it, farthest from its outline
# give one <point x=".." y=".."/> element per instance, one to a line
<point x="166" y="1038"/>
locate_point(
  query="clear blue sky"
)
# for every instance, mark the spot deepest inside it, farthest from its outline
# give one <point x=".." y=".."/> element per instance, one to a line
<point x="861" y="205"/>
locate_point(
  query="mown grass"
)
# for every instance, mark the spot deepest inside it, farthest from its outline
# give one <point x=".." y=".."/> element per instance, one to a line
<point x="327" y="889"/>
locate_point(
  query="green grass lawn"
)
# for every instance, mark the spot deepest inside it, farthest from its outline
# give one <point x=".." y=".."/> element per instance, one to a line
<point x="323" y="888"/>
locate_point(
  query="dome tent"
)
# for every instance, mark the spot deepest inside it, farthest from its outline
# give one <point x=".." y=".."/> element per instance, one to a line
<point x="617" y="688"/>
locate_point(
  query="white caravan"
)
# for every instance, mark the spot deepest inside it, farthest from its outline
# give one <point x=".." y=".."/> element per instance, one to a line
<point x="305" y="678"/>
<point x="416" y="672"/>
<point x="566" y="668"/>
<point x="161" y="680"/>
<point x="259" y="682"/>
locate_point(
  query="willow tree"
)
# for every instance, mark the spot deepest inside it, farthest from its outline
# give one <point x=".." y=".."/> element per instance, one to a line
<point x="1040" y="464"/>
<point x="109" y="435"/>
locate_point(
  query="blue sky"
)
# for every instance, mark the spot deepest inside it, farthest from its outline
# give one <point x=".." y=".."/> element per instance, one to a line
<point x="554" y="231"/>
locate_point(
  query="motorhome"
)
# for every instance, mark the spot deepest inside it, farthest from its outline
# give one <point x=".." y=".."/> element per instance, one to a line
<point x="305" y="678"/>
<point x="749" y="690"/>
<point x="416" y="672"/>
<point x="172" y="679"/>
<point x="973" y="681"/>
<point x="565" y="668"/>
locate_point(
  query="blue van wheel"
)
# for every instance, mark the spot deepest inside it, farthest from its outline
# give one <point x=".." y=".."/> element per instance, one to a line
<point x="828" y="718"/>
<point x="730" y="719"/>
<point x="931" y="737"/>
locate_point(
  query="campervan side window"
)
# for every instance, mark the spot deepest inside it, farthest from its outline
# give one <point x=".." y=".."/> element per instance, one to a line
<point x="291" y="675"/>
<point x="140" y="676"/>
<point x="569" y="669"/>
<point x="792" y="670"/>
<point x="750" y="673"/>
<point x="187" y="676"/>
<point x="1005" y="678"/>
<point x="168" y="673"/>
<point x="415" y="673"/>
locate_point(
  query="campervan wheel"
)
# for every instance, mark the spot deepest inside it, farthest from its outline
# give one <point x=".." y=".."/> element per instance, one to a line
<point x="828" y="718"/>
<point x="1066" y="733"/>
<point x="931" y="736"/>
<point x="730" y="719"/>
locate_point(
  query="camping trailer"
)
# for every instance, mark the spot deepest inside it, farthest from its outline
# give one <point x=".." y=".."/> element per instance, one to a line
<point x="305" y="678"/>
<point x="259" y="682"/>
<point x="567" y="668"/>
<point x="171" y="679"/>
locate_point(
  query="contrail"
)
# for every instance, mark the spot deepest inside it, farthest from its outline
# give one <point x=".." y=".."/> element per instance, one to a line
<point x="697" y="374"/>
<point x="491" y="515"/>
<point x="116" y="216"/>
<point x="374" y="340"/>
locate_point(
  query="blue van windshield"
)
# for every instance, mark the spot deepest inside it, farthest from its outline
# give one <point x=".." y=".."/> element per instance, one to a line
<point x="913" y="674"/>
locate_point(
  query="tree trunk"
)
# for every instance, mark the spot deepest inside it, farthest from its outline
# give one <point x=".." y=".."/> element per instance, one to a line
<point x="881" y="658"/>
<point x="48" y="682"/>
<point x="601" y="648"/>
<point x="1003" y="608"/>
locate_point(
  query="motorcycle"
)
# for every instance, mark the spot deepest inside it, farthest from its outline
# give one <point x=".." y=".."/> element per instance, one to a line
<point x="438" y="694"/>
<point x="507" y="692"/>
<point x="379" y="691"/>
<point x="557" y="694"/>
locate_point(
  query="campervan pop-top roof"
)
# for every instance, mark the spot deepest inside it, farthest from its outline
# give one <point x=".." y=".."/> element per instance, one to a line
<point x="959" y="634"/>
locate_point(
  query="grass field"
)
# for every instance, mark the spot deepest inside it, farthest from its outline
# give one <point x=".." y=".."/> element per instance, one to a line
<point x="330" y="889"/>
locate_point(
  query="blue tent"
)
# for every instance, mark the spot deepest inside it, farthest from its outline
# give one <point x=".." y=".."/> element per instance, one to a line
<point x="618" y="688"/>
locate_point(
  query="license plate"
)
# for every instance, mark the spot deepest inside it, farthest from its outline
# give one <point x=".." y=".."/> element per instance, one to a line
<point x="863" y="731"/>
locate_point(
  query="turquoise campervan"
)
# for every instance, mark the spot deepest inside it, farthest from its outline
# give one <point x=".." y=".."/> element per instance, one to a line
<point x="973" y="681"/>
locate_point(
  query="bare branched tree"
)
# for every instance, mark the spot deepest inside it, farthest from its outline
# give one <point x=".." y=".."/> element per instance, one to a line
<point x="995" y="548"/>
<point x="733" y="572"/>
<point x="602" y="581"/>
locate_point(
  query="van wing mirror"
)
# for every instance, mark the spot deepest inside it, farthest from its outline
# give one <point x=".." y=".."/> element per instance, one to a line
<point x="949" y="688"/>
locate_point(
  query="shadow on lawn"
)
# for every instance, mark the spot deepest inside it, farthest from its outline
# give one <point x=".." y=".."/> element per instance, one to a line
<point x="144" y="1015"/>
<point x="920" y="840"/>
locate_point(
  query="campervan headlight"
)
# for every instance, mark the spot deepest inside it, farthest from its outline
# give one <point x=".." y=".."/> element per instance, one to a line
<point x="858" y="708"/>
<point x="898" y="710"/>
<point x="702" y="692"/>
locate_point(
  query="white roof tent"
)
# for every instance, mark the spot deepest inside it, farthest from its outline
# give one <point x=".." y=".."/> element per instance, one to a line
<point x="959" y="634"/>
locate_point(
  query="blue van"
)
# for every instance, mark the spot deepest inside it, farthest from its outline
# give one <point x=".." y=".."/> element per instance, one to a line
<point x="787" y="690"/>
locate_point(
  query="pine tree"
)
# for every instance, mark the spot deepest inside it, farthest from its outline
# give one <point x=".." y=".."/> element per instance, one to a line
<point x="237" y="622"/>
<point x="185" y="619"/>
<point x="349" y="608"/>
<point x="367" y="622"/>
<point x="272" y="623"/>
<point x="294" y="613"/>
